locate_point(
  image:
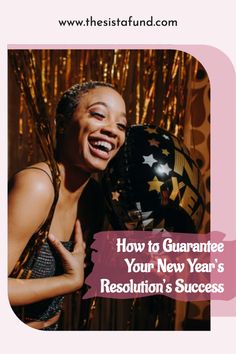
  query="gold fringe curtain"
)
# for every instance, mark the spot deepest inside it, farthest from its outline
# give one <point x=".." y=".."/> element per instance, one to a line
<point x="154" y="83"/>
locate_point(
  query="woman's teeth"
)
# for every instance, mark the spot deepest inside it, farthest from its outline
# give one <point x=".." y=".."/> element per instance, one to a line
<point x="103" y="145"/>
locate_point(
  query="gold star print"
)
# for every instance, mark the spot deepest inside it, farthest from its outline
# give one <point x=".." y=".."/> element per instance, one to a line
<point x="151" y="130"/>
<point x="155" y="185"/>
<point x="154" y="142"/>
<point x="165" y="152"/>
<point x="115" y="196"/>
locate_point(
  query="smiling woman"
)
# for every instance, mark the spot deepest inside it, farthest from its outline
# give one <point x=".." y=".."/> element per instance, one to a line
<point x="90" y="129"/>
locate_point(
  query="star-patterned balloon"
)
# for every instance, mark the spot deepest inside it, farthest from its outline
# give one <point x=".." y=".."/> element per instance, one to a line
<point x="154" y="181"/>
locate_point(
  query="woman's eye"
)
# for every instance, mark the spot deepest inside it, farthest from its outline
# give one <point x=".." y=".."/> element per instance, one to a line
<point x="122" y="126"/>
<point x="97" y="114"/>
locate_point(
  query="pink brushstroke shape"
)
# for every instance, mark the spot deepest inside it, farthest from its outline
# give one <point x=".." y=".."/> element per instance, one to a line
<point x="110" y="265"/>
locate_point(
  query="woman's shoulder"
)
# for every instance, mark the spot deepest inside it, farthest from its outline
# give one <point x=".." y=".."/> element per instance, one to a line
<point x="39" y="169"/>
<point x="35" y="180"/>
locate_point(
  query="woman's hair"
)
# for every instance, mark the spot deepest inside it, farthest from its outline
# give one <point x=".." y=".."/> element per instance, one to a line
<point x="67" y="105"/>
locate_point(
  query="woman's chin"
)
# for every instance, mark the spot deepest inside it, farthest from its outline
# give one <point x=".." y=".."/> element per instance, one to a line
<point x="94" y="165"/>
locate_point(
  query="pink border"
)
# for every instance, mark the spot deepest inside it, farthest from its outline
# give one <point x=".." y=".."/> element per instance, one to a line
<point x="223" y="143"/>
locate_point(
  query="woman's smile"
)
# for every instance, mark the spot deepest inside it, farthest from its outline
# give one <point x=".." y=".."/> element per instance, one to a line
<point x="100" y="147"/>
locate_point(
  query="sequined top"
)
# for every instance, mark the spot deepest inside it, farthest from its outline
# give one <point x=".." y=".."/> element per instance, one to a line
<point x="47" y="264"/>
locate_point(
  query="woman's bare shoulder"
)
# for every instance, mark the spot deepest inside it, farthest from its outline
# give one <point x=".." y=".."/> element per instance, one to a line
<point x="35" y="180"/>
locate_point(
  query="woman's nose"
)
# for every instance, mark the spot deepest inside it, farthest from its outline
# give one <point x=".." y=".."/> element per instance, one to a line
<point x="110" y="129"/>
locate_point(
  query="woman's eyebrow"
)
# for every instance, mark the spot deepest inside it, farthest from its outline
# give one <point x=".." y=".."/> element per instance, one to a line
<point x="105" y="105"/>
<point x="98" y="102"/>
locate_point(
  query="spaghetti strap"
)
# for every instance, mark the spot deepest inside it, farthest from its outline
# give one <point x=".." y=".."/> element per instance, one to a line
<point x="41" y="169"/>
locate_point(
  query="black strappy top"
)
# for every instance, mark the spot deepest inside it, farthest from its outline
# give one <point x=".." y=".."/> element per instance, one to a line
<point x="42" y="261"/>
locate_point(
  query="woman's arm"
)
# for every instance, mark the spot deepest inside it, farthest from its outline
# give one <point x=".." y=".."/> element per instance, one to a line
<point x="28" y="291"/>
<point x="30" y="200"/>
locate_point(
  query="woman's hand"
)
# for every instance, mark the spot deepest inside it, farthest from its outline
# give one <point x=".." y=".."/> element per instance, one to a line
<point x="28" y="291"/>
<point x="73" y="262"/>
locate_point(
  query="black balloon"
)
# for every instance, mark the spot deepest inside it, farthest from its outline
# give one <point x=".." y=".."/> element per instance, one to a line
<point x="153" y="183"/>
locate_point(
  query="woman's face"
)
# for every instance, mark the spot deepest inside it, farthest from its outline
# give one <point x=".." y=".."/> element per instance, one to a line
<point x="97" y="129"/>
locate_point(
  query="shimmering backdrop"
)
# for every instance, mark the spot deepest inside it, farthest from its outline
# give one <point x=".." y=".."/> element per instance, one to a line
<point x="168" y="88"/>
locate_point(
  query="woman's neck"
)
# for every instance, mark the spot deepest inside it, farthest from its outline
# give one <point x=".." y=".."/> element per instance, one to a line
<point x="73" y="180"/>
